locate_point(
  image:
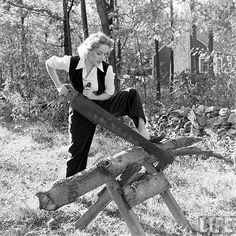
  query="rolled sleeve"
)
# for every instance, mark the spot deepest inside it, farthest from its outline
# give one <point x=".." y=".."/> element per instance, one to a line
<point x="59" y="63"/>
<point x="109" y="81"/>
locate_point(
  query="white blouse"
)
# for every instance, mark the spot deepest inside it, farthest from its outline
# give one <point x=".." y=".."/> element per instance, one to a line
<point x="63" y="63"/>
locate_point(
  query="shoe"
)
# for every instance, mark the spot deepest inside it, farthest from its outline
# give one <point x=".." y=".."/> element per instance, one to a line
<point x="157" y="139"/>
<point x="152" y="139"/>
<point x="145" y="134"/>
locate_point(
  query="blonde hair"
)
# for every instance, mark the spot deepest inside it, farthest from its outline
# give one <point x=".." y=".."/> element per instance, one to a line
<point x="94" y="41"/>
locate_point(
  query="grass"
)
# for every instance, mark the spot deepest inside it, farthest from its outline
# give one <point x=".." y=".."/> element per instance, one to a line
<point x="33" y="156"/>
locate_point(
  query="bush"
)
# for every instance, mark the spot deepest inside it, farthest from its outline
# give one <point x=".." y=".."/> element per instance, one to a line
<point x="191" y="89"/>
<point x="55" y="113"/>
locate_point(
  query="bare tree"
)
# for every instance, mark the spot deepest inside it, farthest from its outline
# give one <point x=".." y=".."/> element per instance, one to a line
<point x="156" y="63"/>
<point x="66" y="23"/>
<point x="104" y="9"/>
<point x="84" y="19"/>
<point x="210" y="49"/>
<point x="103" y="15"/>
<point x="194" y="39"/>
<point x="171" y="48"/>
<point x="157" y="70"/>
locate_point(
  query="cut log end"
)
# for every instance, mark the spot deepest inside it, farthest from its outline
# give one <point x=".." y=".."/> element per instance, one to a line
<point x="46" y="202"/>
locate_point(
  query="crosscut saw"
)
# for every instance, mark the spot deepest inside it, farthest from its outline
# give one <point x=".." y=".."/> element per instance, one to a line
<point x="98" y="115"/>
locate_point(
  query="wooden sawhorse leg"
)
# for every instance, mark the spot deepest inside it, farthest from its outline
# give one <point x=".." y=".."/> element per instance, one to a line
<point x="126" y="212"/>
<point x="105" y="198"/>
<point x="170" y="202"/>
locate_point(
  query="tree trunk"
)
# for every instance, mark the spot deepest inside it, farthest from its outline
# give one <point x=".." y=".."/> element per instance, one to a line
<point x="102" y="12"/>
<point x="103" y="15"/>
<point x="143" y="74"/>
<point x="194" y="67"/>
<point x="66" y="24"/>
<point x="1" y="78"/>
<point x="171" y="84"/>
<point x="119" y="66"/>
<point x="156" y="61"/>
<point x="119" y="53"/>
<point x="84" y="19"/>
<point x="210" y="49"/>
<point x="23" y="15"/>
<point x="157" y="70"/>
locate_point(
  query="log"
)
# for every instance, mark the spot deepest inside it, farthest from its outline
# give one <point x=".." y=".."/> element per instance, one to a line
<point x="146" y="188"/>
<point x="68" y="190"/>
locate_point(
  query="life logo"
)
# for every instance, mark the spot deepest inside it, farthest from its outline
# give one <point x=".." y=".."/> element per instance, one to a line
<point x="217" y="225"/>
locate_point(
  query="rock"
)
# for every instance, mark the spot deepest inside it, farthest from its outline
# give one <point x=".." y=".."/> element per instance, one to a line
<point x="209" y="109"/>
<point x="233" y="126"/>
<point x="174" y="114"/>
<point x="232" y="131"/>
<point x="224" y="111"/>
<point x="183" y="111"/>
<point x="233" y="111"/>
<point x="232" y="118"/>
<point x="200" y="110"/>
<point x="222" y="120"/>
<point x="187" y="127"/>
<point x="212" y="111"/>
<point x="212" y="121"/>
<point x="202" y="121"/>
<point x="191" y="116"/>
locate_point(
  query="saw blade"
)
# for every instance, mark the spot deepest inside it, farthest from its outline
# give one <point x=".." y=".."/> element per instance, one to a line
<point x="98" y="115"/>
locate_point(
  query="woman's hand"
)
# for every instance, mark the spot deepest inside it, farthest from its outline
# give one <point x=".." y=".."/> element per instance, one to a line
<point x="62" y="90"/>
<point x="89" y="93"/>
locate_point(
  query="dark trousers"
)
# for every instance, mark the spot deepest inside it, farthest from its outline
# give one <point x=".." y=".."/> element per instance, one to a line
<point x="82" y="130"/>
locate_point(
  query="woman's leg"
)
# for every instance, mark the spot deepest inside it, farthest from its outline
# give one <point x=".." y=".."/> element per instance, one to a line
<point x="81" y="135"/>
<point x="142" y="128"/>
<point x="128" y="103"/>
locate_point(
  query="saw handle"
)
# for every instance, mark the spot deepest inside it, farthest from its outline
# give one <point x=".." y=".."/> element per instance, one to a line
<point x="71" y="92"/>
<point x="71" y="89"/>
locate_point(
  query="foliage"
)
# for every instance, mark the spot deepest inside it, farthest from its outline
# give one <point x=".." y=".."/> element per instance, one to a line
<point x="191" y="89"/>
<point x="33" y="31"/>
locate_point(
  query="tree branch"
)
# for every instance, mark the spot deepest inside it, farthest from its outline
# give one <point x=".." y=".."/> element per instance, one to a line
<point x="70" y="7"/>
<point x="36" y="9"/>
<point x="198" y="151"/>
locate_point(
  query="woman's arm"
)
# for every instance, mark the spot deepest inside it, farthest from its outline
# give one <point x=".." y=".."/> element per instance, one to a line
<point x="102" y="97"/>
<point x="89" y="94"/>
<point x="51" y="65"/>
<point x="53" y="75"/>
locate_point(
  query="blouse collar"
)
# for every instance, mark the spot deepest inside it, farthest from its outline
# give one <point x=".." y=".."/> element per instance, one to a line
<point x="81" y="65"/>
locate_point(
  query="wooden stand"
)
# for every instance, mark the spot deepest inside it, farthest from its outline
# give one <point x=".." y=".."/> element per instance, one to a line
<point x="144" y="186"/>
<point x="125" y="184"/>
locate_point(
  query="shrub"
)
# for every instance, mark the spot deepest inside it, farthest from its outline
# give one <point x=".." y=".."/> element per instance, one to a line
<point x="191" y="89"/>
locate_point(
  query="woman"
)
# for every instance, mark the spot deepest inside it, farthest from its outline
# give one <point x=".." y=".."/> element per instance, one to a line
<point x="90" y="67"/>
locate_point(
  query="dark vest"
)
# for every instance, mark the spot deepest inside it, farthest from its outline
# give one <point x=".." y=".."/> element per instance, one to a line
<point x="76" y="78"/>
